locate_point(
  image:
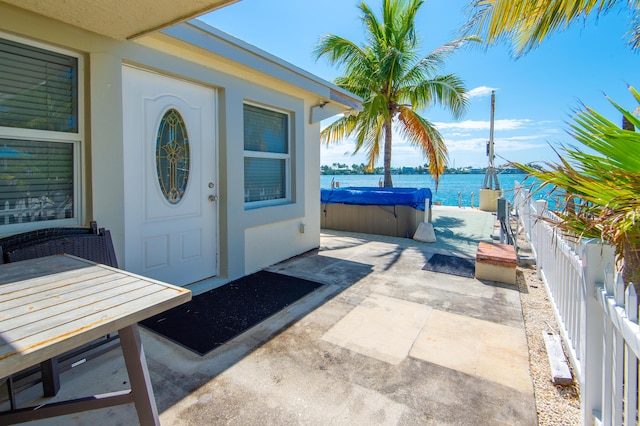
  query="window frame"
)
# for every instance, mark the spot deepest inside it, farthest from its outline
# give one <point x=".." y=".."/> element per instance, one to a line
<point x="76" y="139"/>
<point x="287" y="199"/>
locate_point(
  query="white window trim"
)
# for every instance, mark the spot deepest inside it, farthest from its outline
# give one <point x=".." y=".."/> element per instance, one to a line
<point x="76" y="139"/>
<point x="249" y="205"/>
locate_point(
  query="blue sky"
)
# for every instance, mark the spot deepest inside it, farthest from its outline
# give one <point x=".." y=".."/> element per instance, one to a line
<point x="535" y="94"/>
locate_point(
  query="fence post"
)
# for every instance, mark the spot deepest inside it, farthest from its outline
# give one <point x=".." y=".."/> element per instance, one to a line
<point x="595" y="257"/>
<point x="631" y="392"/>
<point x="427" y="210"/>
<point x="526" y="212"/>
<point x="517" y="187"/>
<point x="541" y="207"/>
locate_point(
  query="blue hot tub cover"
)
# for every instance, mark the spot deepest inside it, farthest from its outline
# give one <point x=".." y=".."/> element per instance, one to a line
<point x="363" y="196"/>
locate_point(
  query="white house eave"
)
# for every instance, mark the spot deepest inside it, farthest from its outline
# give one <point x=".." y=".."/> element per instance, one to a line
<point x="210" y="39"/>
<point x="120" y="19"/>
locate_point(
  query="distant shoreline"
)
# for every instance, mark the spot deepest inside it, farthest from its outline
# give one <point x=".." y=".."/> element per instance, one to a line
<point x="475" y="172"/>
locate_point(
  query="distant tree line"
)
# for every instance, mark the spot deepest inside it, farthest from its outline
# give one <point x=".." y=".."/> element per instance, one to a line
<point x="361" y="169"/>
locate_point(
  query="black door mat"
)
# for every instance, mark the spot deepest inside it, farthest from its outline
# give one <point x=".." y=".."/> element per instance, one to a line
<point x="452" y="265"/>
<point x="215" y="317"/>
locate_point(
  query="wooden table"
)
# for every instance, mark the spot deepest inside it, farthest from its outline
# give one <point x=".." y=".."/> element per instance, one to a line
<point x="54" y="304"/>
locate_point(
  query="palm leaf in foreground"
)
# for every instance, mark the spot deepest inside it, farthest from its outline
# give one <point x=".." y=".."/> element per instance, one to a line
<point x="604" y="185"/>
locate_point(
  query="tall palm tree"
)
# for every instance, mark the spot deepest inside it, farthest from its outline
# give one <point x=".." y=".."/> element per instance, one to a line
<point x="395" y="83"/>
<point x="526" y="23"/>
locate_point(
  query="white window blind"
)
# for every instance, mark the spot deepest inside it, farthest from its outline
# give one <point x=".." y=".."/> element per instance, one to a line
<point x="266" y="155"/>
<point x="36" y="181"/>
<point x="38" y="88"/>
<point x="38" y="92"/>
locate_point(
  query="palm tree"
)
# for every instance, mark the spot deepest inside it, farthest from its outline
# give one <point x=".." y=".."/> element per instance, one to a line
<point x="527" y="23"/>
<point x="603" y="188"/>
<point x="395" y="83"/>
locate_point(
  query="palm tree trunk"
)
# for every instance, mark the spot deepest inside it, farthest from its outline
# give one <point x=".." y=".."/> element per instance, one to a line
<point x="388" y="183"/>
<point x="631" y="267"/>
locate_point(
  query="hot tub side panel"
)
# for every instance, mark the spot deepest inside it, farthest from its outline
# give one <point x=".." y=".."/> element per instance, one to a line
<point x="395" y="221"/>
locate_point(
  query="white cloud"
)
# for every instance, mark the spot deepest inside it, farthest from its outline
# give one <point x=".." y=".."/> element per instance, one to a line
<point x="480" y="92"/>
<point x="472" y="144"/>
<point x="467" y="125"/>
<point x="512" y="143"/>
<point x="515" y="139"/>
<point x="519" y="143"/>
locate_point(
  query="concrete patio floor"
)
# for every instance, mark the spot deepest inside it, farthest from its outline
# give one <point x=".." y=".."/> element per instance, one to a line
<point x="383" y="342"/>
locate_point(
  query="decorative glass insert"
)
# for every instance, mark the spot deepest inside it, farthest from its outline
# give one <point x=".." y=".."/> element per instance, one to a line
<point x="172" y="156"/>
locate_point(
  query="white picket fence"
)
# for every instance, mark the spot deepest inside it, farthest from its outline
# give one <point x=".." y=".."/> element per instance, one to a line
<point x="35" y="209"/>
<point x="598" y="317"/>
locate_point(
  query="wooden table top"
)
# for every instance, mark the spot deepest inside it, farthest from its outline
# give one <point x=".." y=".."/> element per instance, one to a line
<point x="54" y="304"/>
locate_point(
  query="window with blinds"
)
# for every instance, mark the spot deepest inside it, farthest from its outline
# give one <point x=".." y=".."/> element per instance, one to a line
<point x="38" y="88"/>
<point x="266" y="156"/>
<point x="38" y="92"/>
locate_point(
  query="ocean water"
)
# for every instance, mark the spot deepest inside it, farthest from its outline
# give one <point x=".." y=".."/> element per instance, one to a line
<point x="450" y="185"/>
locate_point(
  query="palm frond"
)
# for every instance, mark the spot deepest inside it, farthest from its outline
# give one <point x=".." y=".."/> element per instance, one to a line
<point x="375" y="30"/>
<point x="338" y="130"/>
<point x="605" y="182"/>
<point x="445" y="90"/>
<point x="422" y="134"/>
<point x="337" y="50"/>
<point x="391" y="76"/>
<point x="527" y="23"/>
<point x="619" y="146"/>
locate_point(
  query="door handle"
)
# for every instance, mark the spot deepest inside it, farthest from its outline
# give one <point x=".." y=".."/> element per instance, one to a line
<point x="213" y="198"/>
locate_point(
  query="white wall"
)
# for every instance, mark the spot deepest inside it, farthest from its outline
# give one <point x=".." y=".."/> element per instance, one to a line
<point x="269" y="244"/>
<point x="249" y="239"/>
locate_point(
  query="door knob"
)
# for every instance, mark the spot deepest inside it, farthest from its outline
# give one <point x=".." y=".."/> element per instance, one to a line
<point x="212" y="198"/>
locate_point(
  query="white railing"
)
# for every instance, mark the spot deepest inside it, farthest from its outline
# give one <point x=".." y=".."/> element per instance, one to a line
<point x="597" y="316"/>
<point x="35" y="209"/>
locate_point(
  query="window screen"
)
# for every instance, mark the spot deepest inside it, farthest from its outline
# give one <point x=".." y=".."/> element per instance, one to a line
<point x="37" y="88"/>
<point x="38" y="91"/>
<point x="267" y="159"/>
<point x="36" y="181"/>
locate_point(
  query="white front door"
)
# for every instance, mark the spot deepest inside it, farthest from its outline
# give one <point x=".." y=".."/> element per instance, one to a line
<point x="171" y="212"/>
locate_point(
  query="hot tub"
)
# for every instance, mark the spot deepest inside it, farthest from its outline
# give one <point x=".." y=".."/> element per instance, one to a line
<point x="384" y="211"/>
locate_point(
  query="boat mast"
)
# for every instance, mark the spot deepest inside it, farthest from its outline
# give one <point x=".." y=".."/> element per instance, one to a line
<point x="491" y="178"/>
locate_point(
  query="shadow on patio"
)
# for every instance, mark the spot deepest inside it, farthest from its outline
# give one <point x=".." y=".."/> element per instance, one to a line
<point x="384" y="342"/>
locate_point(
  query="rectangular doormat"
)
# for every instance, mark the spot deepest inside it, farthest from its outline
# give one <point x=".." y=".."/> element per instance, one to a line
<point x="452" y="265"/>
<point x="215" y="317"/>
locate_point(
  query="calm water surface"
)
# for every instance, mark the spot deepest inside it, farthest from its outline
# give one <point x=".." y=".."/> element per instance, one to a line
<point x="448" y="189"/>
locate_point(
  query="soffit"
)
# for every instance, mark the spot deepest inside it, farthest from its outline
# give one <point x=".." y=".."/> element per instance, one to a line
<point x="120" y="19"/>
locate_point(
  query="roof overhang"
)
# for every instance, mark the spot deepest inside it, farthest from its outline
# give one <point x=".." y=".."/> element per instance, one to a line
<point x="120" y="19"/>
<point x="332" y="100"/>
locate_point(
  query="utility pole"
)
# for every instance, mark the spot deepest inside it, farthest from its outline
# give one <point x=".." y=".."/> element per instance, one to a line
<point x="490" y="191"/>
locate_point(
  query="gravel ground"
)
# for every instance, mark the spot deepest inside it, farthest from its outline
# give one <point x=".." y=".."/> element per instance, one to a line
<point x="556" y="405"/>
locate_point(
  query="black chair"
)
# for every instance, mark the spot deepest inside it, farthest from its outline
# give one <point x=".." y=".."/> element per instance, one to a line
<point x="88" y="243"/>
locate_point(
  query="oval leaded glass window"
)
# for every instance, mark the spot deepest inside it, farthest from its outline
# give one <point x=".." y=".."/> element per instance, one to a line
<point x="172" y="156"/>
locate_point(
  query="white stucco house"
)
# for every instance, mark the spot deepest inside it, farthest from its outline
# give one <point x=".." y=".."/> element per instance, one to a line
<point x="200" y="153"/>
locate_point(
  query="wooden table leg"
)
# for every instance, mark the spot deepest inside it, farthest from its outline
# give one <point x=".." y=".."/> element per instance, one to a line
<point x="50" y="377"/>
<point x="136" y="363"/>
